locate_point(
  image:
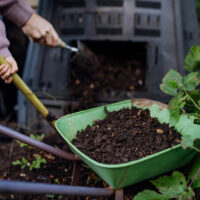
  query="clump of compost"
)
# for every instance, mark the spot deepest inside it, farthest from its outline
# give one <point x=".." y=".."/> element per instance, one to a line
<point x="125" y="135"/>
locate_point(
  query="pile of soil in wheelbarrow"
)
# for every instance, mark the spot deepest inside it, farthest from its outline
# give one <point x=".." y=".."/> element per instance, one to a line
<point x="125" y="135"/>
<point x="116" y="73"/>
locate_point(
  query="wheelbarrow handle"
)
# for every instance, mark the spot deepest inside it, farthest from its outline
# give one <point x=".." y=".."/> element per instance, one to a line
<point x="35" y="143"/>
<point x="19" y="83"/>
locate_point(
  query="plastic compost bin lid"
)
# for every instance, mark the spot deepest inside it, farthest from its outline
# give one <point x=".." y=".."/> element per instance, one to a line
<point x="122" y="175"/>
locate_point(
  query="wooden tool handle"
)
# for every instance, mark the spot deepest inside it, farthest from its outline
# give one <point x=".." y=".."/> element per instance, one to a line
<point x="19" y="83"/>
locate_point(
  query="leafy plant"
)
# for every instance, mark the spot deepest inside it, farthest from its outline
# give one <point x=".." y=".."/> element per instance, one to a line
<point x="57" y="181"/>
<point x="169" y="187"/>
<point x="52" y="196"/>
<point x="175" y="186"/>
<point x="23" y="163"/>
<point x="21" y="144"/>
<point x="37" y="137"/>
<point x="186" y="100"/>
<point x="34" y="165"/>
<point x="37" y="162"/>
<point x="184" y="89"/>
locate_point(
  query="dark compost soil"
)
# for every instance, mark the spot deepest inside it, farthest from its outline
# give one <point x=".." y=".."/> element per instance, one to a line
<point x="56" y="171"/>
<point x="125" y="135"/>
<point x="116" y="70"/>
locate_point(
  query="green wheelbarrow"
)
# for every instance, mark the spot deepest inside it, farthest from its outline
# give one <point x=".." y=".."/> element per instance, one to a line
<point x="117" y="175"/>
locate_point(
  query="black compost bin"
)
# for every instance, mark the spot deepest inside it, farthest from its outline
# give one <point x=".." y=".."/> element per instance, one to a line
<point x="157" y="33"/>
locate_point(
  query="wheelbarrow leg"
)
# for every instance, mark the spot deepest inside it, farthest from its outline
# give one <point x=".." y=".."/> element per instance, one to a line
<point x="119" y="194"/>
<point x="76" y="173"/>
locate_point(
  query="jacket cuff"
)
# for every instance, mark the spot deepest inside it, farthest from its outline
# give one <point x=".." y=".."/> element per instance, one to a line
<point x="5" y="52"/>
<point x="19" y="12"/>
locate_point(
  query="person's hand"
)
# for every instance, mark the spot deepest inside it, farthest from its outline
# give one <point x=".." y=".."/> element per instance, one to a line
<point x="40" y="30"/>
<point x="6" y="71"/>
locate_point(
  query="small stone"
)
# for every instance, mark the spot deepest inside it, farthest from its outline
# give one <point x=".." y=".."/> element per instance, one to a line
<point x="159" y="130"/>
<point x="22" y="175"/>
<point x="132" y="87"/>
<point x="138" y="72"/>
<point x="65" y="169"/>
<point x="92" y="86"/>
<point x="140" y="82"/>
<point x="80" y="20"/>
<point x="77" y="82"/>
<point x="139" y="112"/>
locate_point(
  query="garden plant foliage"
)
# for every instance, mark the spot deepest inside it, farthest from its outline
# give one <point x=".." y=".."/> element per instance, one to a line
<point x="186" y="100"/>
<point x="184" y="89"/>
<point x="170" y="187"/>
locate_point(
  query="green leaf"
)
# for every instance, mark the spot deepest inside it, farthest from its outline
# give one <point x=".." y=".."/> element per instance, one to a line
<point x="36" y="163"/>
<point x="190" y="133"/>
<point x="22" y="144"/>
<point x="177" y="101"/>
<point x="174" y="84"/>
<point x="37" y="137"/>
<point x="171" y="186"/>
<point x="191" y="81"/>
<point x="186" y="141"/>
<point x="174" y="116"/>
<point x="24" y="161"/>
<point x="195" y="172"/>
<point x="171" y="82"/>
<point x="192" y="60"/>
<point x="198" y="4"/>
<point x="149" y="195"/>
<point x="188" y="194"/>
<point x="17" y="162"/>
<point x="23" y="166"/>
<point x="51" y="196"/>
<point x="57" y="181"/>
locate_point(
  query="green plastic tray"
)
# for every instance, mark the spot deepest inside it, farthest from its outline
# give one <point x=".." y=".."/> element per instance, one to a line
<point x="122" y="175"/>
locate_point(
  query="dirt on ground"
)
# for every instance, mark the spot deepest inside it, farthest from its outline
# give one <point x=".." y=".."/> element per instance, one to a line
<point x="55" y="171"/>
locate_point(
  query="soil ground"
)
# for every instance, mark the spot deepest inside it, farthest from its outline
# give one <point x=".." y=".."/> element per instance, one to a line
<point x="56" y="170"/>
